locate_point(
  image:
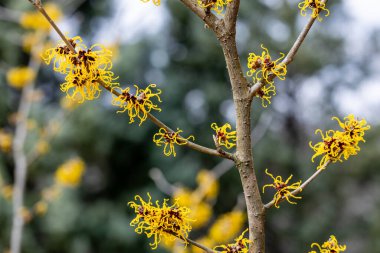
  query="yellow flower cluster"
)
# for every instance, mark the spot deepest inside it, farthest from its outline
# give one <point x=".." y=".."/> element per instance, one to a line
<point x="317" y="6"/>
<point x="83" y="69"/>
<point x="224" y="135"/>
<point x="6" y="191"/>
<point x="5" y="141"/>
<point x="156" y="2"/>
<point x="168" y="139"/>
<point x="70" y="173"/>
<point x="241" y="245"/>
<point x="168" y="222"/>
<point x="283" y="190"/>
<point x="330" y="246"/>
<point x="34" y="20"/>
<point x="215" y="5"/>
<point x="20" y="77"/>
<point x="260" y="67"/>
<point x="138" y="105"/>
<point x="337" y="144"/>
<point x="263" y="65"/>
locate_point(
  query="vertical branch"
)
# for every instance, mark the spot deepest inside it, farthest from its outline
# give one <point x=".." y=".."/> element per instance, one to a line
<point x="244" y="158"/>
<point x="20" y="160"/>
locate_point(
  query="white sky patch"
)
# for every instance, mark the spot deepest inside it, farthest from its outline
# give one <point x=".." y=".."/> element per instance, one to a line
<point x="365" y="12"/>
<point x="363" y="102"/>
<point x="133" y="20"/>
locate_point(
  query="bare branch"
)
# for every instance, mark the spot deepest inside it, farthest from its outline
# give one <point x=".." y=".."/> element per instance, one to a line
<point x="160" y="181"/>
<point x="210" y="19"/>
<point x="196" y="244"/>
<point x="231" y="15"/>
<point x="303" y="186"/>
<point x="20" y="159"/>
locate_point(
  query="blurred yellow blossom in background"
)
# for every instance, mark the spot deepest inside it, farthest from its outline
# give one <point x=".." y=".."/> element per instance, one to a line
<point x="6" y="140"/>
<point x="20" y="77"/>
<point x="70" y="173"/>
<point x="34" y="20"/>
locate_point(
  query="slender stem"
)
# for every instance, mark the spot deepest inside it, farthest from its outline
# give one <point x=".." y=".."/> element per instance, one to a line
<point x="196" y="244"/>
<point x="302" y="187"/>
<point x="20" y="160"/>
<point x="289" y="57"/>
<point x="41" y="9"/>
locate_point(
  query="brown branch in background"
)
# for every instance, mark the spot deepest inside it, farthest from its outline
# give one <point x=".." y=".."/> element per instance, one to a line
<point x="20" y="159"/>
<point x="303" y="186"/>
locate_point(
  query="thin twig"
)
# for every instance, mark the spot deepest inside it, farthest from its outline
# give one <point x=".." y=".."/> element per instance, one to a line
<point x="289" y="57"/>
<point x="210" y="19"/>
<point x="20" y="159"/>
<point x="156" y="121"/>
<point x="160" y="181"/>
<point x="34" y="155"/>
<point x="302" y="187"/>
<point x="196" y="244"/>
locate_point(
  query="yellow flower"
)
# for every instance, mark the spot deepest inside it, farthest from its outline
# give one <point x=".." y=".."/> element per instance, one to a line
<point x="29" y="40"/>
<point x="283" y="190"/>
<point x="26" y="214"/>
<point x="208" y="186"/>
<point x="42" y="147"/>
<point x="316" y="6"/>
<point x="5" y="141"/>
<point x="227" y="226"/>
<point x="216" y="5"/>
<point x="156" y="2"/>
<point x="20" y="77"/>
<point x="138" y="105"/>
<point x="265" y="93"/>
<point x="83" y="69"/>
<point x="337" y="144"/>
<point x="168" y="139"/>
<point x="330" y="246"/>
<point x="201" y="211"/>
<point x="223" y="136"/>
<point x="34" y="20"/>
<point x="241" y="245"/>
<point x="69" y="174"/>
<point x="167" y="222"/>
<point x="40" y="207"/>
<point x="263" y="66"/>
<point x="7" y="191"/>
<point x="68" y="104"/>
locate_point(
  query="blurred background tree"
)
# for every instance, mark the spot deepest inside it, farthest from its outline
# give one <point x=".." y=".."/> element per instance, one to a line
<point x="335" y="73"/>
